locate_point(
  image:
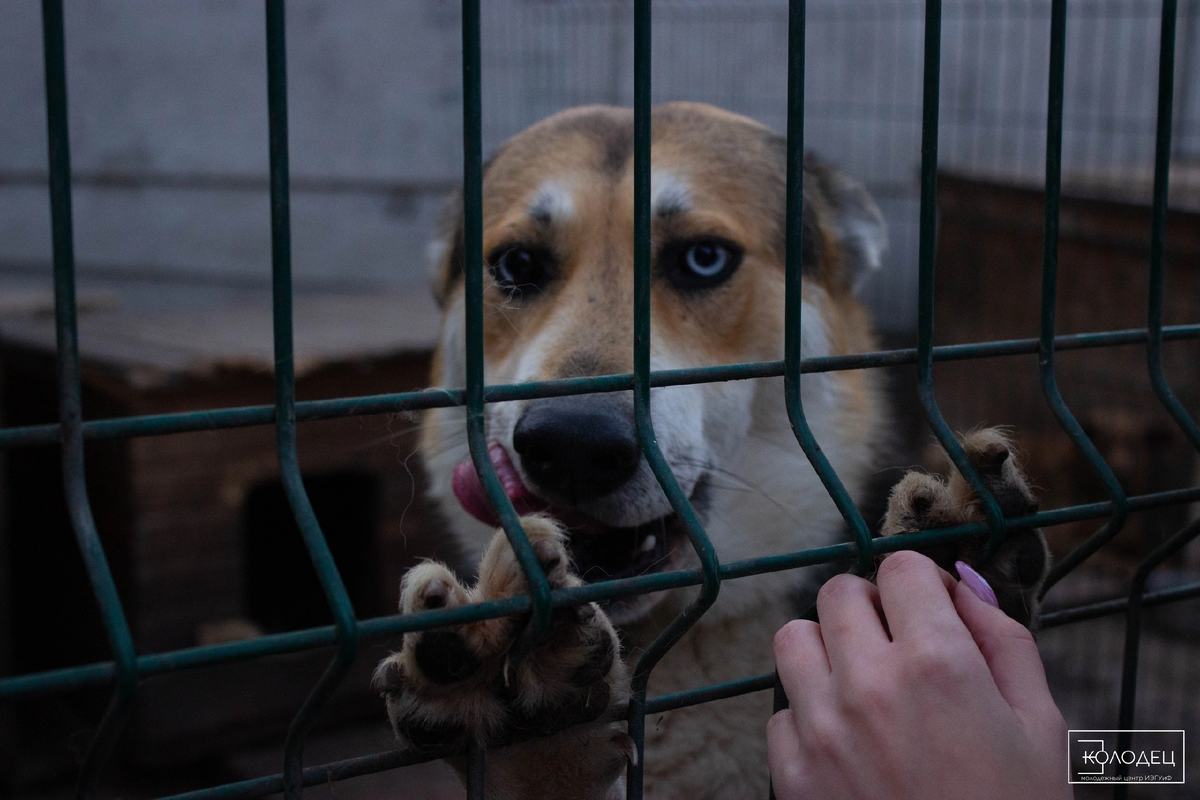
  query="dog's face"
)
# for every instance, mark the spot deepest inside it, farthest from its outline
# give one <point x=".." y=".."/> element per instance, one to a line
<point x="558" y="303"/>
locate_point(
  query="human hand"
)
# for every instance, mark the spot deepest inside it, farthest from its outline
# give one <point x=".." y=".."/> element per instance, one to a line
<point x="914" y="688"/>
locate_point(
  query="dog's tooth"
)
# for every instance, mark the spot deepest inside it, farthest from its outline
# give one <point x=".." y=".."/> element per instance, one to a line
<point x="648" y="544"/>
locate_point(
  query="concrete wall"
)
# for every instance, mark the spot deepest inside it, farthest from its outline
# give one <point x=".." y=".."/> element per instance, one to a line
<point x="169" y="125"/>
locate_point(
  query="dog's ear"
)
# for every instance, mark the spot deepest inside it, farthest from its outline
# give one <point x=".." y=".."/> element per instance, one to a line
<point x="848" y="215"/>
<point x="446" y="249"/>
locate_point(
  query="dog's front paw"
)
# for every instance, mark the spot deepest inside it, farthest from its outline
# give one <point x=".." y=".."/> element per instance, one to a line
<point x="447" y="686"/>
<point x="921" y="501"/>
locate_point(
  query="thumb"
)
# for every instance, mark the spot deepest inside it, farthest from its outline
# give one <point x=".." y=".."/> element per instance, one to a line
<point x="1010" y="651"/>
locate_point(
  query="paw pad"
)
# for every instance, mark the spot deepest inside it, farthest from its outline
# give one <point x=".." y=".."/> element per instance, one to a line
<point x="463" y="682"/>
<point x="922" y="502"/>
<point x="444" y="657"/>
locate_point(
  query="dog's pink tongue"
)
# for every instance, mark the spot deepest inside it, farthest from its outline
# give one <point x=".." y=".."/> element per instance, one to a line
<point x="469" y="490"/>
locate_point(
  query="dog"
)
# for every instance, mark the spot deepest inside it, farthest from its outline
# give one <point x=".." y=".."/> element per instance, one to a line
<point x="558" y="303"/>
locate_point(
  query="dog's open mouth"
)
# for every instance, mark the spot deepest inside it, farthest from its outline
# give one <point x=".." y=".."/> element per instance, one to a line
<point x="600" y="552"/>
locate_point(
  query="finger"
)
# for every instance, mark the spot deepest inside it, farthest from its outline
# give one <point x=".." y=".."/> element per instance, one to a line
<point x="915" y="595"/>
<point x="802" y="662"/>
<point x="784" y="755"/>
<point x="851" y="622"/>
<point x="1010" y="651"/>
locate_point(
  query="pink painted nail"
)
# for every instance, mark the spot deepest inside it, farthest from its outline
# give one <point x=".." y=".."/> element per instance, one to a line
<point x="976" y="583"/>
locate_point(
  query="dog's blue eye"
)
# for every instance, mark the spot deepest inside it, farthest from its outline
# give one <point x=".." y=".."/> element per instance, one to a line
<point x="700" y="264"/>
<point x="515" y="268"/>
<point x="706" y="260"/>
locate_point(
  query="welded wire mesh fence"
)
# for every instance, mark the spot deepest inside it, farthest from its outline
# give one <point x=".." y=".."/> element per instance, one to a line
<point x="126" y="669"/>
<point x="863" y="92"/>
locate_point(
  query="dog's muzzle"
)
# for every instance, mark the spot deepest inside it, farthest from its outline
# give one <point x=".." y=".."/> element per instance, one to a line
<point x="575" y="450"/>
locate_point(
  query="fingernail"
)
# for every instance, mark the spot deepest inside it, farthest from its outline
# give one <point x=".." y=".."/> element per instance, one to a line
<point x="976" y="583"/>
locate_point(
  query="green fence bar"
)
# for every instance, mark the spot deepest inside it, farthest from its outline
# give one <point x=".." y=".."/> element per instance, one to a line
<point x="793" y="309"/>
<point x="926" y="257"/>
<point x="792" y="313"/>
<point x="642" y="277"/>
<point x="285" y="410"/>
<point x="125" y="668"/>
<point x="1112" y="487"/>
<point x="539" y="587"/>
<point x="1158" y="380"/>
<point x="325" y="774"/>
<point x="308" y="410"/>
<point x="1119" y="605"/>
<point x="1133" y="632"/>
<point x="383" y="627"/>
<point x="793" y="299"/>
<point x="116" y="626"/>
<point x="1158" y="229"/>
<point x="380" y="762"/>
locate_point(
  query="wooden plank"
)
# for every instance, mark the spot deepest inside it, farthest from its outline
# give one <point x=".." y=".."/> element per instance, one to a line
<point x="989" y="285"/>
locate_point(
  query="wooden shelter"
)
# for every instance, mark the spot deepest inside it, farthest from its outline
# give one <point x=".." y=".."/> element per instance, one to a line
<point x="196" y="525"/>
<point x="989" y="275"/>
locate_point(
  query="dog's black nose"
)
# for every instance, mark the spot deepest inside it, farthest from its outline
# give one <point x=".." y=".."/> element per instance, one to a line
<point x="577" y="448"/>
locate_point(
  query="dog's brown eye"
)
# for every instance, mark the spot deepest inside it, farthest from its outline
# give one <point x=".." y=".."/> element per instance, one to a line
<point x="519" y="268"/>
<point x="700" y="264"/>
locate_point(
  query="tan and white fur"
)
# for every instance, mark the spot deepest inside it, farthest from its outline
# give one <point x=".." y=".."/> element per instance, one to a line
<point x="563" y="192"/>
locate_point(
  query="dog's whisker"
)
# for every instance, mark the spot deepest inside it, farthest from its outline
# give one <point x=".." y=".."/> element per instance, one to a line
<point x="391" y="436"/>
<point x="746" y="485"/>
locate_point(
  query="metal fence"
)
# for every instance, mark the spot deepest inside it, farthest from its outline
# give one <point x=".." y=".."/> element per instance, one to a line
<point x="863" y="98"/>
<point x="126" y="669"/>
